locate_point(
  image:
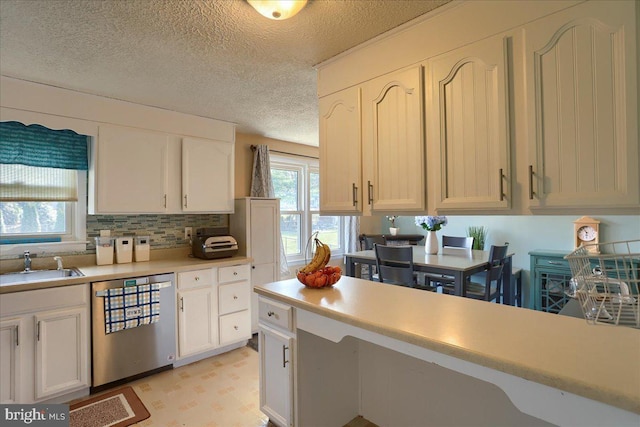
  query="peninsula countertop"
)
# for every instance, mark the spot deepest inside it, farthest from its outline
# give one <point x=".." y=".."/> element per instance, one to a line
<point x="599" y="362"/>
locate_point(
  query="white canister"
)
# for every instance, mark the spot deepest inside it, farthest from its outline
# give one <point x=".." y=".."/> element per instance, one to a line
<point x="104" y="250"/>
<point x="142" y="248"/>
<point x="124" y="249"/>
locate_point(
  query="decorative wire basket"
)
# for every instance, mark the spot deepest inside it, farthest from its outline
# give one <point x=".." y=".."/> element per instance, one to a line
<point x="606" y="283"/>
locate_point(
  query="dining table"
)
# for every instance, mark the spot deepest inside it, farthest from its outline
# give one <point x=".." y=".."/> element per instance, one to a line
<point x="460" y="264"/>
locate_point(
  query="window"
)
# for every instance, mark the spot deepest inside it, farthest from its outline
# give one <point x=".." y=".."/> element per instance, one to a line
<point x="42" y="189"/>
<point x="296" y="182"/>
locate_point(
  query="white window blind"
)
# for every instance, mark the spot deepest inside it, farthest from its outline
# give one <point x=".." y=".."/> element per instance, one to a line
<point x="29" y="183"/>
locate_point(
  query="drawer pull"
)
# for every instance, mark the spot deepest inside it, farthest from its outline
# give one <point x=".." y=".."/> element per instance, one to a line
<point x="271" y="313"/>
<point x="555" y="263"/>
<point x="235" y="273"/>
<point x="235" y="297"/>
<point x="182" y="304"/>
<point x="235" y="327"/>
<point x="284" y="356"/>
<point x="196" y="278"/>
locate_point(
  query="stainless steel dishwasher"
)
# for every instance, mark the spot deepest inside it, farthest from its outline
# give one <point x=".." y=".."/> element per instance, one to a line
<point x="133" y="327"/>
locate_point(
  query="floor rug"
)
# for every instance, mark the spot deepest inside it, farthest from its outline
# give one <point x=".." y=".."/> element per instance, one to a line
<point x="117" y="408"/>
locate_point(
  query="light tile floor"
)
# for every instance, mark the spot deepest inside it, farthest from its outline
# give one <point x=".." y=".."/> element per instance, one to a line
<point x="221" y="391"/>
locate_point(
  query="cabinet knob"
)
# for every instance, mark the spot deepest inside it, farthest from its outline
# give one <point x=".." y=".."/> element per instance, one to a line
<point x="271" y="313"/>
<point x="235" y="273"/>
<point x="196" y="278"/>
<point x="235" y="297"/>
<point x="235" y="327"/>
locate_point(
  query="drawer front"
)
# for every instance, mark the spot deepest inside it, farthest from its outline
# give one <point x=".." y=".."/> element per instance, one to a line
<point x="195" y="279"/>
<point x="235" y="327"/>
<point x="233" y="297"/>
<point x="234" y="273"/>
<point x="552" y="262"/>
<point x="275" y="314"/>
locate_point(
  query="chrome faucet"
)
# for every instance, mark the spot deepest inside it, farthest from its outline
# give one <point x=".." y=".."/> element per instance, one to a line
<point x="27" y="261"/>
<point x="59" y="261"/>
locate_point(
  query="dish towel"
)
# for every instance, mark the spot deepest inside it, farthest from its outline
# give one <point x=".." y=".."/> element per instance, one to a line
<point x="131" y="306"/>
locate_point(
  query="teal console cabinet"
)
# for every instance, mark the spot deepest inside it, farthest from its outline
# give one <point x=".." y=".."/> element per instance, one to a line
<point x="550" y="276"/>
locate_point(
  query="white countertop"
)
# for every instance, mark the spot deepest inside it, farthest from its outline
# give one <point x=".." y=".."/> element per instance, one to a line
<point x="600" y="362"/>
<point x="97" y="273"/>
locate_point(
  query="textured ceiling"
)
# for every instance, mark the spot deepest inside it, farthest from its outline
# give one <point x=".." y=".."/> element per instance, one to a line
<point x="211" y="58"/>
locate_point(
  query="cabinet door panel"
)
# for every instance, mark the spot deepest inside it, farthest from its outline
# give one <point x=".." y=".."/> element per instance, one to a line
<point x="9" y="361"/>
<point x="276" y="376"/>
<point x="265" y="239"/>
<point x="61" y="351"/>
<point x="207" y="176"/>
<point x="340" y="157"/>
<point x="394" y="140"/>
<point x="197" y="321"/>
<point x="469" y="127"/>
<point x="132" y="171"/>
<point x="582" y="97"/>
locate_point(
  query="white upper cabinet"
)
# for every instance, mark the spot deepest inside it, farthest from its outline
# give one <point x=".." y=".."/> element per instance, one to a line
<point x="582" y="107"/>
<point x="132" y="171"/>
<point x="467" y="125"/>
<point x="140" y="171"/>
<point x="340" y="153"/>
<point x="393" y="142"/>
<point x="207" y="176"/>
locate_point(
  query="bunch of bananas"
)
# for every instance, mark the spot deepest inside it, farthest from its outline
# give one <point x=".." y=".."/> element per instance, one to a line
<point x="320" y="258"/>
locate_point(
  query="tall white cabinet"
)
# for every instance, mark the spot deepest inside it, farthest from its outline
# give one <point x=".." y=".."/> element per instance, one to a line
<point x="256" y="226"/>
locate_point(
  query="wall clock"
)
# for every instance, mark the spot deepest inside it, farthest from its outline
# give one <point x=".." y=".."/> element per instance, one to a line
<point x="586" y="231"/>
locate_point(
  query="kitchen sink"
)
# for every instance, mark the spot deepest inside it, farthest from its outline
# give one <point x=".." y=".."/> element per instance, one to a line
<point x="38" y="276"/>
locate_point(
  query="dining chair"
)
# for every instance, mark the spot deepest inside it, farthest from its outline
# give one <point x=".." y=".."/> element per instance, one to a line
<point x="491" y="289"/>
<point x="366" y="243"/>
<point x="448" y="242"/>
<point x="395" y="265"/>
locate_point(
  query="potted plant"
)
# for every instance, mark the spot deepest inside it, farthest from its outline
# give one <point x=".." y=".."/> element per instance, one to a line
<point x="479" y="234"/>
<point x="393" y="230"/>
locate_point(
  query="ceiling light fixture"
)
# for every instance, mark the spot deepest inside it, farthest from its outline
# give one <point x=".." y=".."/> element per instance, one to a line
<point x="278" y="9"/>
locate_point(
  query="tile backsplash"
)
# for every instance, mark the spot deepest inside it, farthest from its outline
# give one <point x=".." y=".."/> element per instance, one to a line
<point x="165" y="231"/>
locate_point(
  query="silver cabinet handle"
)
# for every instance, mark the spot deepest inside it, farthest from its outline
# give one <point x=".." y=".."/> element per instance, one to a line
<point x="182" y="304"/>
<point x="531" y="193"/>
<point x="38" y="331"/>
<point x="284" y="356"/>
<point x="185" y="200"/>
<point x="17" y="336"/>
<point x="501" y="186"/>
<point x="165" y="200"/>
<point x="354" y="195"/>
<point x="370" y="192"/>
<point x="555" y="263"/>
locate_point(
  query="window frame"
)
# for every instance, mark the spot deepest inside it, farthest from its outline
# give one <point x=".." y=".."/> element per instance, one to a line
<point x="305" y="166"/>
<point x="75" y="240"/>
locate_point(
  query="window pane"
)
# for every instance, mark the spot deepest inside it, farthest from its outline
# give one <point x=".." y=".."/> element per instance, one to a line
<point x="291" y="233"/>
<point x="328" y="228"/>
<point x="285" y="184"/>
<point x="314" y="191"/>
<point x="27" y="218"/>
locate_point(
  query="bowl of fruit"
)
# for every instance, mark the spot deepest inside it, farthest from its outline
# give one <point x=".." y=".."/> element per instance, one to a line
<point x="317" y="274"/>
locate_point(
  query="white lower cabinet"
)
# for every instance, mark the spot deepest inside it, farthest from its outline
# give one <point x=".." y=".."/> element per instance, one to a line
<point x="277" y="362"/>
<point x="10" y="360"/>
<point x="197" y="318"/>
<point x="60" y="351"/>
<point x="45" y="339"/>
<point x="213" y="309"/>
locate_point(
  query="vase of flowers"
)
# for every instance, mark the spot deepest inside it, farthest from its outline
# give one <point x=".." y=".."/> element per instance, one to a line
<point x="393" y="230"/>
<point x="431" y="224"/>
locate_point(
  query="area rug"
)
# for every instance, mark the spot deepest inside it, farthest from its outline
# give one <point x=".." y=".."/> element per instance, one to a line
<point x="117" y="408"/>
